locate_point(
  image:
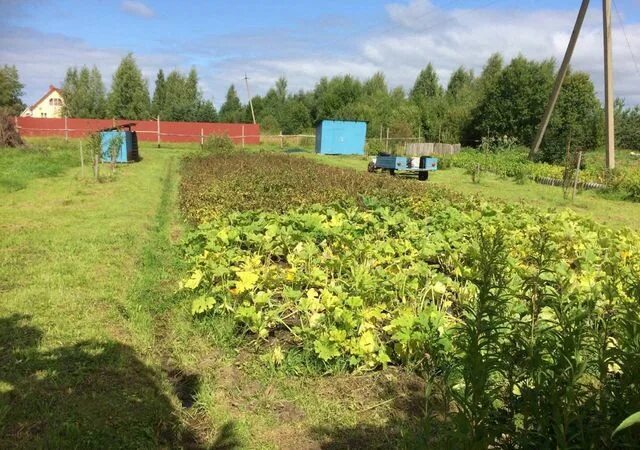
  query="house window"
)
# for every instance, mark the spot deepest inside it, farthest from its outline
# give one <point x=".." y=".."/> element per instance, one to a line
<point x="44" y="114"/>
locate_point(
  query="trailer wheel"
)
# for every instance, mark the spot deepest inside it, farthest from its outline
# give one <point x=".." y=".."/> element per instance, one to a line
<point x="392" y="172"/>
<point x="371" y="167"/>
<point x="423" y="176"/>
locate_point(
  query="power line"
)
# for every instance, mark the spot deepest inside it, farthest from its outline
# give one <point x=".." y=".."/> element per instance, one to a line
<point x="626" y="38"/>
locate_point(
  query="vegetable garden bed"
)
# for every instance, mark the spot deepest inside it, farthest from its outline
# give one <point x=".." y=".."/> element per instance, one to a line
<point x="524" y="324"/>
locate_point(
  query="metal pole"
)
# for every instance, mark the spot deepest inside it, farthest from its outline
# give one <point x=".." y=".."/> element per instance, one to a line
<point x="246" y="82"/>
<point x="66" y="129"/>
<point x="201" y="138"/>
<point x="158" y="129"/>
<point x="562" y="72"/>
<point x="610" y="162"/>
<point x="242" y="136"/>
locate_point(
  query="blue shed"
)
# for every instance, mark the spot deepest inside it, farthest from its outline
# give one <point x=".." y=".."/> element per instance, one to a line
<point x="340" y="137"/>
<point x="128" y="150"/>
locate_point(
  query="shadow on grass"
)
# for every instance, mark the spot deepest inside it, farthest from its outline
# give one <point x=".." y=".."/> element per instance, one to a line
<point x="88" y="395"/>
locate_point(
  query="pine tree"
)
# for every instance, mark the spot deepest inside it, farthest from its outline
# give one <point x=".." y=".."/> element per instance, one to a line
<point x="129" y="96"/>
<point x="231" y="110"/>
<point x="159" y="96"/>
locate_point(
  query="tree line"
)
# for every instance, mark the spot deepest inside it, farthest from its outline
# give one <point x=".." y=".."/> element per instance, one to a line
<point x="502" y="100"/>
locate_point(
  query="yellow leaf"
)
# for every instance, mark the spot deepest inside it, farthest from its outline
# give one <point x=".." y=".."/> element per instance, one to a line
<point x="195" y="280"/>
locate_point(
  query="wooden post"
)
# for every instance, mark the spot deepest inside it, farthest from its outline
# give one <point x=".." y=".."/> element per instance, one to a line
<point x="281" y="140"/>
<point x="242" y="136"/>
<point x="81" y="161"/>
<point x="575" y="181"/>
<point x="158" y="129"/>
<point x="608" y="87"/>
<point x="66" y="129"/>
<point x="562" y="72"/>
<point x="381" y="133"/>
<point x="386" y="146"/>
<point x="201" y="138"/>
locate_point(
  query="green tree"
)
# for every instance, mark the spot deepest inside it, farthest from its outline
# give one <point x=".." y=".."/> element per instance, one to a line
<point x="296" y="117"/>
<point x="461" y="80"/>
<point x="515" y="103"/>
<point x="83" y="93"/>
<point x="207" y="112"/>
<point x="11" y="90"/>
<point x="426" y="86"/>
<point x="490" y="74"/>
<point x="129" y="96"/>
<point x="575" y="119"/>
<point x="231" y="110"/>
<point x="159" y="96"/>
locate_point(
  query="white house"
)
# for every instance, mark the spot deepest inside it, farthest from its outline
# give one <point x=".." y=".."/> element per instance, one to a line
<point x="50" y="105"/>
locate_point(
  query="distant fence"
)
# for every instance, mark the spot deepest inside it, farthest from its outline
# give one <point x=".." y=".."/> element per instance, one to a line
<point x="147" y="130"/>
<point x="430" y="148"/>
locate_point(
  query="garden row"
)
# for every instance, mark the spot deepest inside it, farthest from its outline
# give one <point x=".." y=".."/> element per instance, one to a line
<point x="624" y="180"/>
<point x="524" y="324"/>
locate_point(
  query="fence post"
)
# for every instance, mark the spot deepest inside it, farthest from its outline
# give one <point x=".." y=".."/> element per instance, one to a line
<point x="575" y="182"/>
<point x="81" y="161"/>
<point x="242" y="136"/>
<point x="386" y="147"/>
<point x="201" y="138"/>
<point x="281" y="140"/>
<point x="66" y="129"/>
<point x="158" y="129"/>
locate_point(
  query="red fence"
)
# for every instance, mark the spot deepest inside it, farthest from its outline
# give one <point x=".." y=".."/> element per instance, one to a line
<point x="147" y="130"/>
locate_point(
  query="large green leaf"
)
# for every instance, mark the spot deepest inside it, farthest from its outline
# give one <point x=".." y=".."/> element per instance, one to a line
<point x="633" y="419"/>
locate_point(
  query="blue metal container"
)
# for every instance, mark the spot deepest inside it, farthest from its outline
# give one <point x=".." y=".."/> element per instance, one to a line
<point x="126" y="152"/>
<point x="340" y="137"/>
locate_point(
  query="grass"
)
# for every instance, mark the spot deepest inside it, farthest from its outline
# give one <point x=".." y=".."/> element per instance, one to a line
<point x="45" y="158"/>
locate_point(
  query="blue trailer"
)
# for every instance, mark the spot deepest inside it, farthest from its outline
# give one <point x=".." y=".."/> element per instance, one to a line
<point x="420" y="165"/>
<point x="129" y="148"/>
<point x="340" y="137"/>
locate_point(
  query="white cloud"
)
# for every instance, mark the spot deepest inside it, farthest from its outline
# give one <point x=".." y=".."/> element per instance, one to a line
<point x="419" y="33"/>
<point x="137" y="8"/>
<point x="43" y="58"/>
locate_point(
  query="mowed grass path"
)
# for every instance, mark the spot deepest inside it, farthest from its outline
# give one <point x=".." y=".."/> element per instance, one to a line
<point x="75" y="348"/>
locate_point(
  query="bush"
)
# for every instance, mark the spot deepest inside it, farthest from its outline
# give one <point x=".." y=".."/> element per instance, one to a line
<point x="374" y="146"/>
<point x="631" y="186"/>
<point x="218" y="144"/>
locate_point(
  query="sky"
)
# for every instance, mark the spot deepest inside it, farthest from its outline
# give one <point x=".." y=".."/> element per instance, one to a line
<point x="304" y="40"/>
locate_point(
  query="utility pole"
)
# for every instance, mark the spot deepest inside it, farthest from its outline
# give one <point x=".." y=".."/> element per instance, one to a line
<point x="246" y="82"/>
<point x="610" y="162"/>
<point x="564" y="67"/>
